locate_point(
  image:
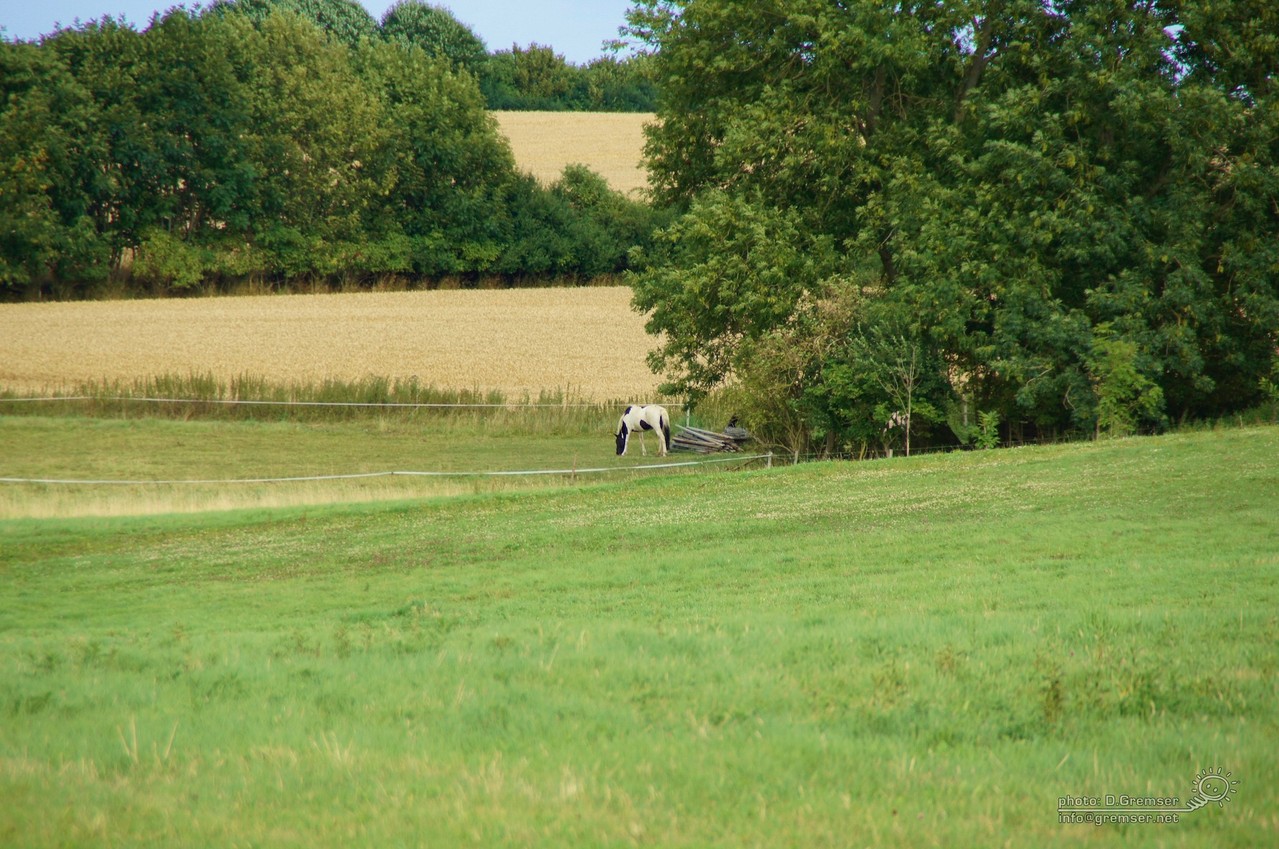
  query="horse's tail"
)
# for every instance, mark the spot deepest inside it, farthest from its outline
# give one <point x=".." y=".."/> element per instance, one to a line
<point x="666" y="431"/>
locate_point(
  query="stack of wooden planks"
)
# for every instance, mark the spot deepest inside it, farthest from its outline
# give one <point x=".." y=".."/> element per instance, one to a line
<point x="709" y="442"/>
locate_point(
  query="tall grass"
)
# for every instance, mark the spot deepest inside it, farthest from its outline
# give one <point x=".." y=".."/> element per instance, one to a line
<point x="254" y="398"/>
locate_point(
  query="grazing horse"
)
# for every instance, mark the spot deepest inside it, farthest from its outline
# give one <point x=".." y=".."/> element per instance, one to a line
<point x="641" y="418"/>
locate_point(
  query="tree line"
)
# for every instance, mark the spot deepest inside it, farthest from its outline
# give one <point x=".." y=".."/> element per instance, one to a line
<point x="964" y="221"/>
<point x="522" y="78"/>
<point x="271" y="141"/>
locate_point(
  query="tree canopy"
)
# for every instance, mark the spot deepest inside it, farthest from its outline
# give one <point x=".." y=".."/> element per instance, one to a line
<point x="1070" y="208"/>
<point x="437" y="32"/>
<point x="521" y="78"/>
<point x="346" y="20"/>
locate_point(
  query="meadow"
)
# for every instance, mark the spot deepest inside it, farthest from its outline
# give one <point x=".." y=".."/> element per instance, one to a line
<point x="923" y="651"/>
<point x="285" y="457"/>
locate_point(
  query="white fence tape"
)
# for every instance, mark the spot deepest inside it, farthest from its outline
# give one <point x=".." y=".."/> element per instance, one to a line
<point x="359" y="475"/>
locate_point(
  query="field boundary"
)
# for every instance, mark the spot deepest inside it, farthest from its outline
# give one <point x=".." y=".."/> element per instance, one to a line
<point x="366" y="404"/>
<point x="398" y="473"/>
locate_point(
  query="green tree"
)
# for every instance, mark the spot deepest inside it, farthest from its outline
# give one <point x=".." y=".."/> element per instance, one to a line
<point x="449" y="165"/>
<point x="609" y="84"/>
<point x="345" y="20"/>
<point x="901" y="368"/>
<point x="48" y="149"/>
<point x="533" y="77"/>
<point x="606" y="224"/>
<point x="792" y="389"/>
<point x="719" y="278"/>
<point x="436" y="31"/>
<point x="318" y="137"/>
<point x="189" y="88"/>
<point x="1126" y="397"/>
<point x="119" y="169"/>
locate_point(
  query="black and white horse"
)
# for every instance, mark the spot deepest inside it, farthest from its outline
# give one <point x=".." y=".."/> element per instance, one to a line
<point x="641" y="418"/>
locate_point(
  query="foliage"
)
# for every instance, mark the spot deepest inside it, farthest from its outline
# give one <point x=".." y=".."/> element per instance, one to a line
<point x="987" y="429"/>
<point x="448" y="166"/>
<point x="606" y="225"/>
<point x="48" y="158"/>
<point x="609" y="84"/>
<point x="536" y="77"/>
<point x="436" y="31"/>
<point x="346" y="20"/>
<point x="1125" y="396"/>
<point x="720" y="278"/>
<point x="899" y="370"/>
<point x="1016" y="180"/>
<point x="169" y="262"/>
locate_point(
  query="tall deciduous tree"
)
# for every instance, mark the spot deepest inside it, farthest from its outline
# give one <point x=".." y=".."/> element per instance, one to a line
<point x="346" y="20"/>
<point x="448" y="165"/>
<point x="50" y="152"/>
<point x="313" y="135"/>
<point x="437" y="32"/>
<point x="119" y="168"/>
<point x="1013" y="174"/>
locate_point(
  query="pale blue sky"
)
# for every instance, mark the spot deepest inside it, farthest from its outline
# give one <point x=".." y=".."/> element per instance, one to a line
<point x="575" y="28"/>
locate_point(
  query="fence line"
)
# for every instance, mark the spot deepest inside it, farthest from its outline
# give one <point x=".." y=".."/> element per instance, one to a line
<point x="512" y="405"/>
<point x="362" y="475"/>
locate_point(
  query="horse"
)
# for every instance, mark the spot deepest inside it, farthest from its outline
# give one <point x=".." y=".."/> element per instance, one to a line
<point x="640" y="418"/>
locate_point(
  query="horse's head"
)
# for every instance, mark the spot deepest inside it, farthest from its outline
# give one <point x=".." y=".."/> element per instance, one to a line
<point x="623" y="431"/>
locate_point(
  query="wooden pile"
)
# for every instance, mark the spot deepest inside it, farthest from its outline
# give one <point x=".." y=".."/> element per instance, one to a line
<point x="709" y="442"/>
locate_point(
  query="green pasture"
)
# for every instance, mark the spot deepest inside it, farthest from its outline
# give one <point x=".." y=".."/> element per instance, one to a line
<point x="270" y="459"/>
<point x="913" y="652"/>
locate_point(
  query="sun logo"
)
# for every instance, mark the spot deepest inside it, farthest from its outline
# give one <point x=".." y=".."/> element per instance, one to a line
<point x="1214" y="786"/>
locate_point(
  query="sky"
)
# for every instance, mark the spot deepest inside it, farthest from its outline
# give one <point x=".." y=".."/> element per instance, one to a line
<point x="576" y="29"/>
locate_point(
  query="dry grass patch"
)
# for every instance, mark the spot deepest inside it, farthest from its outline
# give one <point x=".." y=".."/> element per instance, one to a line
<point x="586" y="343"/>
<point x="609" y="143"/>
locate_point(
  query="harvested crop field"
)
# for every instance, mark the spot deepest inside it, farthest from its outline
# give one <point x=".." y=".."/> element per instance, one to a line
<point x="585" y="342"/>
<point x="609" y="143"/>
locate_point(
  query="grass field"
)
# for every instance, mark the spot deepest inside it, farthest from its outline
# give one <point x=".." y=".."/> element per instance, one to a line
<point x="455" y="450"/>
<point x="915" y="652"/>
<point x="584" y="342"/>
<point x="609" y="143"/>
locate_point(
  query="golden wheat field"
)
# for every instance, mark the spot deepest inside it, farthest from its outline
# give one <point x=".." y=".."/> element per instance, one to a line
<point x="610" y="144"/>
<point x="586" y="342"/>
